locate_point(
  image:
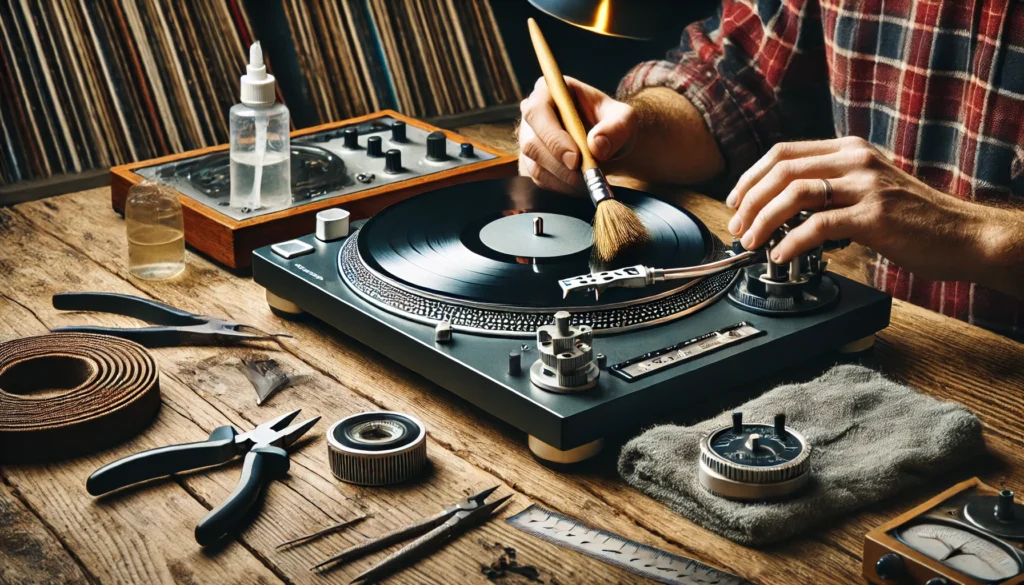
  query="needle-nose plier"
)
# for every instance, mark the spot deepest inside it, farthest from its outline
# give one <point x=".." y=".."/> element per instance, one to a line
<point x="438" y="529"/>
<point x="265" y="459"/>
<point x="177" y="327"/>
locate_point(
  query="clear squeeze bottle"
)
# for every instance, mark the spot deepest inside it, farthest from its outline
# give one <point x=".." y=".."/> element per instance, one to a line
<point x="261" y="172"/>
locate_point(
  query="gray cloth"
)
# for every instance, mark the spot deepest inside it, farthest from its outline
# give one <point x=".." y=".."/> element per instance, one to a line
<point x="870" y="438"/>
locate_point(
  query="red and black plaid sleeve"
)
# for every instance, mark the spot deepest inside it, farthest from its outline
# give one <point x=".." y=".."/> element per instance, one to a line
<point x="938" y="87"/>
<point x="758" y="76"/>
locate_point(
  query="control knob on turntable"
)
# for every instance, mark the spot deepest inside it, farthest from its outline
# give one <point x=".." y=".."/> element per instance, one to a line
<point x="566" y="361"/>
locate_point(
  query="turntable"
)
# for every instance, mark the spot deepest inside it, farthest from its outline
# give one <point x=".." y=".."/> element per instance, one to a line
<point x="486" y="289"/>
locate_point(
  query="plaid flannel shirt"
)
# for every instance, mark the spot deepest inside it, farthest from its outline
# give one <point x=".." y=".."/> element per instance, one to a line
<point x="935" y="85"/>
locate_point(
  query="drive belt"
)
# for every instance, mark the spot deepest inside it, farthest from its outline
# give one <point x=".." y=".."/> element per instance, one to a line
<point x="65" y="394"/>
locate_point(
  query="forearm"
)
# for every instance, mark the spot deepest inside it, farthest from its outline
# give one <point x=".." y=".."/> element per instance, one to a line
<point x="1001" y="244"/>
<point x="673" y="144"/>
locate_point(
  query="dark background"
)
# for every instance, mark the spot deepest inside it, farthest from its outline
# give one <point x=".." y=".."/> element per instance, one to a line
<point x="599" y="60"/>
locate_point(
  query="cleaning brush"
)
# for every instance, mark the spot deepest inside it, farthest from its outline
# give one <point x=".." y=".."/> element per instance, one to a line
<point x="616" y="226"/>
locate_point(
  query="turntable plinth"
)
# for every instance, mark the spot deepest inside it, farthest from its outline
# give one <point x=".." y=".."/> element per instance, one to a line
<point x="676" y="345"/>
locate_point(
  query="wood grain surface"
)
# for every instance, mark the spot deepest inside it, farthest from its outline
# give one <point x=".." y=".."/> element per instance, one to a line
<point x="51" y="530"/>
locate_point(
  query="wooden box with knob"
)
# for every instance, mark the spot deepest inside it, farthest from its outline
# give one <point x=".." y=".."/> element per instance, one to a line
<point x="970" y="534"/>
<point x="362" y="165"/>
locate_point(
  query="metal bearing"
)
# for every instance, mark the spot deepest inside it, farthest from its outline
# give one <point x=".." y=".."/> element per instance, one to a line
<point x="377" y="448"/>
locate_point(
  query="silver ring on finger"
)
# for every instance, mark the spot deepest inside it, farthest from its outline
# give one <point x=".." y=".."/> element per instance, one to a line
<point x="827" y="187"/>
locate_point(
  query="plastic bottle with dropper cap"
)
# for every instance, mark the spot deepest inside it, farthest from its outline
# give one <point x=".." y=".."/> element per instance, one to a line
<point x="260" y="165"/>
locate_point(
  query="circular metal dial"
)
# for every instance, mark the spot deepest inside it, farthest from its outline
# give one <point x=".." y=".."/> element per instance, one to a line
<point x="962" y="550"/>
<point x="754" y="461"/>
<point x="772" y="449"/>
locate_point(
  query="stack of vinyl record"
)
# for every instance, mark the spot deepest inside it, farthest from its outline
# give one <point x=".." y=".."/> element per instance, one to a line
<point x="88" y="85"/>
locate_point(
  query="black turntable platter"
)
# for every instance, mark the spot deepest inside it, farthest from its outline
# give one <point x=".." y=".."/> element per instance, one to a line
<point x="468" y="254"/>
<point x="475" y="242"/>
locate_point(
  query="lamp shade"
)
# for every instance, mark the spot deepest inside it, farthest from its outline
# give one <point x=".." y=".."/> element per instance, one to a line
<point x="632" y="19"/>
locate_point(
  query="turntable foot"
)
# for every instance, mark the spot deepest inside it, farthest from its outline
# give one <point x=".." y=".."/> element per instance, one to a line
<point x="283" y="307"/>
<point x="550" y="454"/>
<point x="862" y="344"/>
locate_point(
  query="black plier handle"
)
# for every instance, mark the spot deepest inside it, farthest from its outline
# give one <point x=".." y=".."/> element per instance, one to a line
<point x="265" y="459"/>
<point x="219" y="448"/>
<point x="170" y="318"/>
<point x="261" y="465"/>
<point x="127" y="305"/>
<point x="176" y="327"/>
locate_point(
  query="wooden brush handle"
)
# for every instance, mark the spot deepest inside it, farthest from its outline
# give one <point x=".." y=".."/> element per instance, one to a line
<point x="560" y="93"/>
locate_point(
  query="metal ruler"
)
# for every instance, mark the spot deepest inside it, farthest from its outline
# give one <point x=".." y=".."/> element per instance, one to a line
<point x="615" y="550"/>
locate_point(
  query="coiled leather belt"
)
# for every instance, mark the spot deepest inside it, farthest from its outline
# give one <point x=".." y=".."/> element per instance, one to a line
<point x="65" y="394"/>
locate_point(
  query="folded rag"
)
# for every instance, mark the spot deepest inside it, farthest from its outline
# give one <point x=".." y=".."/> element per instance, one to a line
<point x="870" y="438"/>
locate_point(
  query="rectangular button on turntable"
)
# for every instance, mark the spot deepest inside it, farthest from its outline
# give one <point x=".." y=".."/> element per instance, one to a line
<point x="291" y="249"/>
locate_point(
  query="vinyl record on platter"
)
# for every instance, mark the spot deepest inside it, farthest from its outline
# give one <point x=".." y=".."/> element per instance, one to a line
<point x="476" y="242"/>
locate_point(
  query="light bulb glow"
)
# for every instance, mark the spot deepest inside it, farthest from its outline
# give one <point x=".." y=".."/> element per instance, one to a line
<point x="603" y="16"/>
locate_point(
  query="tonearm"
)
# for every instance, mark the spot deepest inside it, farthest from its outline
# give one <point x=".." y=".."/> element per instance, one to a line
<point x="799" y="270"/>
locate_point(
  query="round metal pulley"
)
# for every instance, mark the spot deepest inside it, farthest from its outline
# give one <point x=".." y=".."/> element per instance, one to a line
<point x="377" y="448"/>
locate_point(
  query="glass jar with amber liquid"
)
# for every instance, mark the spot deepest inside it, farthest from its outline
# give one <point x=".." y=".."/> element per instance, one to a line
<point x="156" y="232"/>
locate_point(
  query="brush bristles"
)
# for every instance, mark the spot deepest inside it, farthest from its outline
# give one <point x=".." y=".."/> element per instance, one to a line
<point x="616" y="228"/>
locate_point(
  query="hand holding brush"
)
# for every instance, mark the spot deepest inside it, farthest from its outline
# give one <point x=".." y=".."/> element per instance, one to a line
<point x="616" y="226"/>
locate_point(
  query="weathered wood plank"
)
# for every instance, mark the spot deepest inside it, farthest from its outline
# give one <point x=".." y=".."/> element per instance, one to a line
<point x="29" y="553"/>
<point x="309" y="496"/>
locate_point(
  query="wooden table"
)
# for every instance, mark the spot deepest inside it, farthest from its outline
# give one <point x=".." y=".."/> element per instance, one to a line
<point x="52" y="531"/>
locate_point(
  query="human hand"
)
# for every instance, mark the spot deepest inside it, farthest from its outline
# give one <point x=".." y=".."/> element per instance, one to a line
<point x="873" y="202"/>
<point x="546" y="151"/>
